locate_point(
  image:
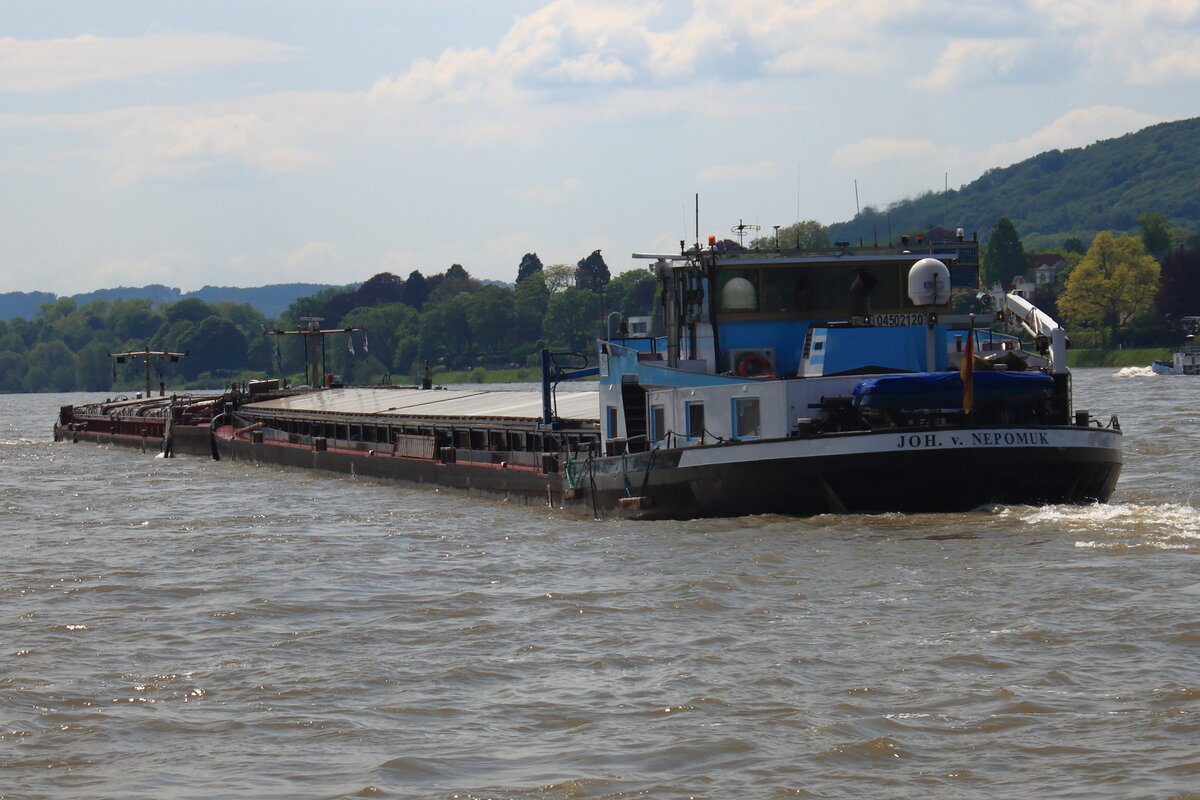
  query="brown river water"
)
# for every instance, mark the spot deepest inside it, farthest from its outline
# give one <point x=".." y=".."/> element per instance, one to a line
<point x="190" y="629"/>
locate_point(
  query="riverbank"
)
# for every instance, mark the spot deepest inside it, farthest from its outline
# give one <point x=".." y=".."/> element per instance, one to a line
<point x="1127" y="357"/>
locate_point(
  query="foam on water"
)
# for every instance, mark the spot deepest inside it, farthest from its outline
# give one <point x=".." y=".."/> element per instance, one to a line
<point x="1135" y="372"/>
<point x="1122" y="525"/>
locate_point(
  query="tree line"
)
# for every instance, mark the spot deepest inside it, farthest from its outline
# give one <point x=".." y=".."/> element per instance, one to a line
<point x="448" y="320"/>
<point x="1116" y="289"/>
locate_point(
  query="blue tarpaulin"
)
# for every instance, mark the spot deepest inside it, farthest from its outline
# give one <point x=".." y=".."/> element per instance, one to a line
<point x="926" y="390"/>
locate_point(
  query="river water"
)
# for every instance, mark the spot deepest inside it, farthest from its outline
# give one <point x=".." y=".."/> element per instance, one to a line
<point x="189" y="629"/>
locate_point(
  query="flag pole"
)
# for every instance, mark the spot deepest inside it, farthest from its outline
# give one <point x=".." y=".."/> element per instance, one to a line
<point x="967" y="370"/>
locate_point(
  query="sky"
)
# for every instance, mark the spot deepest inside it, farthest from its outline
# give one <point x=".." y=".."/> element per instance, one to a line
<point x="257" y="142"/>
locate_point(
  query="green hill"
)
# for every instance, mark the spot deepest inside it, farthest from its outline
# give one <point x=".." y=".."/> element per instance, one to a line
<point x="1060" y="193"/>
<point x="271" y="300"/>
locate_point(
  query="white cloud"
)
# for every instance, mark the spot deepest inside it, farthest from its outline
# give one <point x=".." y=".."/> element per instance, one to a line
<point x="1175" y="58"/>
<point x="457" y="77"/>
<point x="163" y="145"/>
<point x="314" y="258"/>
<point x="725" y="173"/>
<point x="166" y="267"/>
<point x="1135" y="42"/>
<point x="1076" y="128"/>
<point x="57" y="65"/>
<point x="543" y="194"/>
<point x="569" y="39"/>
<point x="873" y="152"/>
<point x="592" y="68"/>
<point x="966" y="62"/>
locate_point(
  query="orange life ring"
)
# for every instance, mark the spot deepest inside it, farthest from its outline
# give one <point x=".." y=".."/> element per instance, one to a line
<point x="753" y="365"/>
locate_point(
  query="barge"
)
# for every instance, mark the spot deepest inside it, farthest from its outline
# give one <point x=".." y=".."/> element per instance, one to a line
<point x="786" y="382"/>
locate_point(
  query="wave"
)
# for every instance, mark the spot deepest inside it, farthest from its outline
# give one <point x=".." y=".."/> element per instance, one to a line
<point x="1166" y="526"/>
<point x="1134" y="372"/>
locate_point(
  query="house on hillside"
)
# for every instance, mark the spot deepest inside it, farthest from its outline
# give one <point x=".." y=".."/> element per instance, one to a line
<point x="1042" y="275"/>
<point x="1045" y="268"/>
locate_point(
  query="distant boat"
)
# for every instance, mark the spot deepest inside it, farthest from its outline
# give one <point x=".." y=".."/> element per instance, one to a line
<point x="1187" y="358"/>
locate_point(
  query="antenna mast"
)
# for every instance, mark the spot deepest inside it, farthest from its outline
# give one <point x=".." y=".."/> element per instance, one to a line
<point x="311" y="329"/>
<point x="741" y="228"/>
<point x="146" y="356"/>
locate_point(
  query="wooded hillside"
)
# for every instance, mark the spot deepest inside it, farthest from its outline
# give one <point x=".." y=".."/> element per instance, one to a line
<point x="1060" y="193"/>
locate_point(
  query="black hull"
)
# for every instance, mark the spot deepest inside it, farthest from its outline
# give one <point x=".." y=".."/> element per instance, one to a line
<point x="662" y="485"/>
<point x="912" y="482"/>
<point x="873" y="473"/>
<point x="526" y="485"/>
<point x="183" y="440"/>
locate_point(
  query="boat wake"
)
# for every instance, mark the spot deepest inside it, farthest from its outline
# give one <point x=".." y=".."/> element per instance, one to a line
<point x="1134" y="372"/>
<point x="1120" y="526"/>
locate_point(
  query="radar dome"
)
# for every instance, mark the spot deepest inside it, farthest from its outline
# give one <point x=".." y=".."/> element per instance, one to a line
<point x="929" y="283"/>
<point x="738" y="295"/>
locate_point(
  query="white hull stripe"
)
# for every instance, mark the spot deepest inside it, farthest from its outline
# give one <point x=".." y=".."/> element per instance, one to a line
<point x="900" y="442"/>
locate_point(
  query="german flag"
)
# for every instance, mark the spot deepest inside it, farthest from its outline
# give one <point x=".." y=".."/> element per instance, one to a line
<point x="967" y="371"/>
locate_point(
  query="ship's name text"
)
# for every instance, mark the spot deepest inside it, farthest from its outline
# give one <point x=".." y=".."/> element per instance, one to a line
<point x="919" y="441"/>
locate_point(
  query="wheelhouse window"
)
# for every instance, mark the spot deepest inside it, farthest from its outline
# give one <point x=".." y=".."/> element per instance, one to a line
<point x="658" y="423"/>
<point x="747" y="420"/>
<point x="695" y="420"/>
<point x="737" y="291"/>
<point x="823" y="291"/>
<point x="611" y="421"/>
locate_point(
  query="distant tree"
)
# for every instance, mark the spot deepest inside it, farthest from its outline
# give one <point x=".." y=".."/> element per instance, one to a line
<point x="559" y="277"/>
<point x="380" y="290"/>
<point x="12" y="371"/>
<point x="192" y="310"/>
<point x="215" y="344"/>
<point x="1179" y="293"/>
<point x="86" y="324"/>
<point x="51" y="368"/>
<point x="383" y="328"/>
<point x="1074" y="244"/>
<point x="490" y="316"/>
<point x="529" y="306"/>
<point x="1114" y="283"/>
<point x="530" y="263"/>
<point x="1005" y="257"/>
<point x="456" y="281"/>
<point x="806" y="235"/>
<point x="173" y="337"/>
<point x="133" y="319"/>
<point x="631" y="293"/>
<point x="416" y="290"/>
<point x="1045" y="298"/>
<point x="445" y="335"/>
<point x="93" y="368"/>
<point x="591" y="273"/>
<point x="571" y="320"/>
<point x="316" y="305"/>
<point x="13" y="343"/>
<point x="1156" y="233"/>
<point x="49" y="312"/>
<point x="248" y="319"/>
